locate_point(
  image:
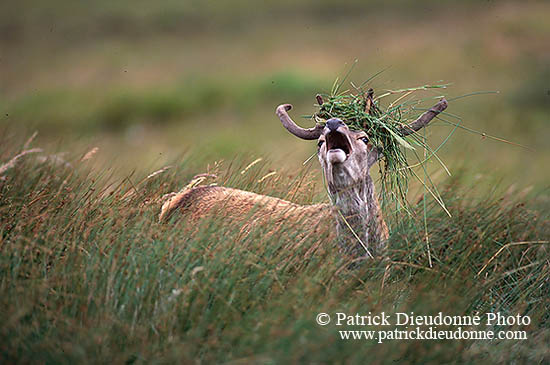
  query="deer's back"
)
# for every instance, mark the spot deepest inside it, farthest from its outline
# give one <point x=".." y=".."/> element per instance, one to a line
<point x="239" y="205"/>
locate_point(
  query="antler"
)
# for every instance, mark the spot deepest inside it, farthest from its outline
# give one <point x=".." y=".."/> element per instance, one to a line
<point x="288" y="123"/>
<point x="424" y="119"/>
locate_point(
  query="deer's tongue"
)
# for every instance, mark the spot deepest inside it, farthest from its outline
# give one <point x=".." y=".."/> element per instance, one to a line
<point x="335" y="156"/>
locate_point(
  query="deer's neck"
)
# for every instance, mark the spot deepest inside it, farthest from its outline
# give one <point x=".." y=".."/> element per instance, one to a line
<point x="358" y="217"/>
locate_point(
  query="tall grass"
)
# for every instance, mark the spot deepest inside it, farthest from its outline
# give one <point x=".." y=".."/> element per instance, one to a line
<point x="88" y="275"/>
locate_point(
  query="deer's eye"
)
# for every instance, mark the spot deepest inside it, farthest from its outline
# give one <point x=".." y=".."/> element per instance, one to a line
<point x="364" y="139"/>
<point x="320" y="143"/>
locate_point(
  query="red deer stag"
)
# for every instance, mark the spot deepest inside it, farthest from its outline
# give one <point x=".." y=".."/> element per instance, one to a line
<point x="346" y="157"/>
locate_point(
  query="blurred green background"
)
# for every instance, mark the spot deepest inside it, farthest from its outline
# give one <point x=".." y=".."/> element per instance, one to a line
<point x="149" y="81"/>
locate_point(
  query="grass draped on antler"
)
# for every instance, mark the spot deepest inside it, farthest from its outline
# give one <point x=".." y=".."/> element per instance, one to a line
<point x="361" y="110"/>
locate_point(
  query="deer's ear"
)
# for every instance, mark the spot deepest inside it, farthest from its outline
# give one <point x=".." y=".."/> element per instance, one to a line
<point x="379" y="151"/>
<point x="374" y="154"/>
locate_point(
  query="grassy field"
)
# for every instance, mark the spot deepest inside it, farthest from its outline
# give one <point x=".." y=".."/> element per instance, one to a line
<point x="88" y="275"/>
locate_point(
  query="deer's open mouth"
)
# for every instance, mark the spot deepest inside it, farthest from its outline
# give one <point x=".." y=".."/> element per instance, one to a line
<point x="338" y="141"/>
<point x="338" y="147"/>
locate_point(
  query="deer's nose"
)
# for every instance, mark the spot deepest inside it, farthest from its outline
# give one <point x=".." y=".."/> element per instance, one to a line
<point x="334" y="123"/>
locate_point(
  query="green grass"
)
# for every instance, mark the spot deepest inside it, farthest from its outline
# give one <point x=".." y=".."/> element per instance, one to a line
<point x="361" y="109"/>
<point x="88" y="275"/>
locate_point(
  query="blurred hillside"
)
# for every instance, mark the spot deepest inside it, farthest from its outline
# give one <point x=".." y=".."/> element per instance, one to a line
<point x="149" y="81"/>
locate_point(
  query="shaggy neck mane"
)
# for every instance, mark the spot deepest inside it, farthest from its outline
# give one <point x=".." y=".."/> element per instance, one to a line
<point x="359" y="223"/>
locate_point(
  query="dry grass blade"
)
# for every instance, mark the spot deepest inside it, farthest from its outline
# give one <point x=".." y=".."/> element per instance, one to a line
<point x="250" y="165"/>
<point x="11" y="163"/>
<point x="158" y="172"/>
<point x="355" y="235"/>
<point x="510" y="245"/>
<point x="89" y="154"/>
<point x="29" y="141"/>
<point x="267" y="176"/>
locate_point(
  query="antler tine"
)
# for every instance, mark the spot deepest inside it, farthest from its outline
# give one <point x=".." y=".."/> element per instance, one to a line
<point x="288" y="123"/>
<point x="319" y="99"/>
<point x="424" y="119"/>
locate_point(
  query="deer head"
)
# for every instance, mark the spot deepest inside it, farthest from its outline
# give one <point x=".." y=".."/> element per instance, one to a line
<point x="346" y="156"/>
